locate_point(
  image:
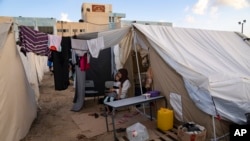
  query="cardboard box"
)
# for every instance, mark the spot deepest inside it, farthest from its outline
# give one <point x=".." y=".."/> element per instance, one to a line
<point x="189" y="136"/>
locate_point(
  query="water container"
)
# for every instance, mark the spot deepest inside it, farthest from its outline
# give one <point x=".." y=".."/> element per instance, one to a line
<point x="165" y="119"/>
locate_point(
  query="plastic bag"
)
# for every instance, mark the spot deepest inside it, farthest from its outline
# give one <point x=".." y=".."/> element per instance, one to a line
<point x="137" y="132"/>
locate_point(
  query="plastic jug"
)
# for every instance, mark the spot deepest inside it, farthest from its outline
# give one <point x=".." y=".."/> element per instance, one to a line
<point x="165" y="119"/>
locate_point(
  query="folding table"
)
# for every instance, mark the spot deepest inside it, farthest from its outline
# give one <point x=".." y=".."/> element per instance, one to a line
<point x="130" y="102"/>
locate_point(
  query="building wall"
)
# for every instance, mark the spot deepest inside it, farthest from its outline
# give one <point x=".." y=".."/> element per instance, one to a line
<point x="70" y="28"/>
<point x="46" y="25"/>
<point x="97" y="18"/>
<point x="75" y="28"/>
<point x="90" y="10"/>
<point x="4" y="19"/>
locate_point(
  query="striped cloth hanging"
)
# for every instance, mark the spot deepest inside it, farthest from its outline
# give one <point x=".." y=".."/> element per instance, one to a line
<point x="33" y="41"/>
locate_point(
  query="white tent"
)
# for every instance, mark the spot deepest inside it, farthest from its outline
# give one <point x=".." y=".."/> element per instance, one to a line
<point x="204" y="73"/>
<point x="214" y="67"/>
<point x="213" y="64"/>
<point x="18" y="107"/>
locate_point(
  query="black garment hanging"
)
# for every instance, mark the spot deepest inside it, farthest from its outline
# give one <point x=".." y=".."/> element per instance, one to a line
<point x="61" y="64"/>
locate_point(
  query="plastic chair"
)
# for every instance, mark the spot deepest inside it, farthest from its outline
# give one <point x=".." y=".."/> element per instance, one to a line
<point x="90" y="90"/>
<point x="109" y="84"/>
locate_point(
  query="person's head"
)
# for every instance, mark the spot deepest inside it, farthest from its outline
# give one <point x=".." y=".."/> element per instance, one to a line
<point x="117" y="77"/>
<point x="123" y="74"/>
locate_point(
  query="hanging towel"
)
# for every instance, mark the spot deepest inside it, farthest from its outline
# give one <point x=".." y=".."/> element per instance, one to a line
<point x="95" y="45"/>
<point x="80" y="46"/>
<point x="33" y="41"/>
<point x="55" y="42"/>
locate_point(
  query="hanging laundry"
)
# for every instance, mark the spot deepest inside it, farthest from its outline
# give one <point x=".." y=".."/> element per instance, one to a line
<point x="84" y="62"/>
<point x="80" y="46"/>
<point x="61" y="64"/>
<point x="95" y="45"/>
<point x="55" y="43"/>
<point x="33" y="41"/>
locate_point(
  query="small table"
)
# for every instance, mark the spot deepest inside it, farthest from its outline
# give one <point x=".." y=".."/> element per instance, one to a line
<point x="129" y="102"/>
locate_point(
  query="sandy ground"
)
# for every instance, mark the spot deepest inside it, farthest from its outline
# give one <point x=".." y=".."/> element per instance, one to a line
<point x="54" y="122"/>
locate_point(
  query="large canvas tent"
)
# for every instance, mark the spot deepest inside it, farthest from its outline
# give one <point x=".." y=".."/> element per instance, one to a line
<point x="18" y="104"/>
<point x="204" y="74"/>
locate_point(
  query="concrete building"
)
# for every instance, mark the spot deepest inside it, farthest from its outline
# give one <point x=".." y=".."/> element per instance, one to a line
<point x="95" y="17"/>
<point x="129" y="22"/>
<point x="101" y="14"/>
<point x="46" y="25"/>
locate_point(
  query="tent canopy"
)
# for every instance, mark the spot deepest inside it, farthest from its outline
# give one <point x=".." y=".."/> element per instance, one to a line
<point x="214" y="65"/>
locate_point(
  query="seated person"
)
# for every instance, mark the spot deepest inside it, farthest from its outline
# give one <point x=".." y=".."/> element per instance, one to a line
<point x="112" y="92"/>
<point x="124" y="85"/>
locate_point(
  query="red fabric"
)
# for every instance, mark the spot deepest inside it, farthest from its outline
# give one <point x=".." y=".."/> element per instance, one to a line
<point x="53" y="48"/>
<point x="84" y="64"/>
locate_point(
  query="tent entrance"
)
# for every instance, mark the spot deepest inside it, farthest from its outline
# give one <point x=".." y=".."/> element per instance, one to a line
<point x="143" y="62"/>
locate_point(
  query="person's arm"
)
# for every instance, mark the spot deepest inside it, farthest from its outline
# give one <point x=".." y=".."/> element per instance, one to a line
<point x="115" y="87"/>
<point x="118" y="91"/>
<point x="124" y="90"/>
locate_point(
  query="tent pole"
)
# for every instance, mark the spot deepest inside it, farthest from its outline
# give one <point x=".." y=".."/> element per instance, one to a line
<point x="137" y="63"/>
<point x="214" y="129"/>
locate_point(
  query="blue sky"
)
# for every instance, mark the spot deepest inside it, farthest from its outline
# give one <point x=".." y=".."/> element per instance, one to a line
<point x="202" y="14"/>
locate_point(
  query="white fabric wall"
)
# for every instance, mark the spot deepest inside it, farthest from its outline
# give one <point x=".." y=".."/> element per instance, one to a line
<point x="17" y="100"/>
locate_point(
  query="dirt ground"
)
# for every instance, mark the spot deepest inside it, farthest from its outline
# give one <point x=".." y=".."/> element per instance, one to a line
<point x="54" y="122"/>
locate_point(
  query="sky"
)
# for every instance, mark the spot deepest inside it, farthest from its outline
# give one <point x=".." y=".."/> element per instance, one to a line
<point x="222" y="15"/>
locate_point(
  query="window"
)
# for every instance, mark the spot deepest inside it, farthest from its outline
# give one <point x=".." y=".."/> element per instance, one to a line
<point x="88" y="10"/>
<point x="82" y="30"/>
<point x="111" y="19"/>
<point x="46" y="29"/>
<point x="64" y="30"/>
